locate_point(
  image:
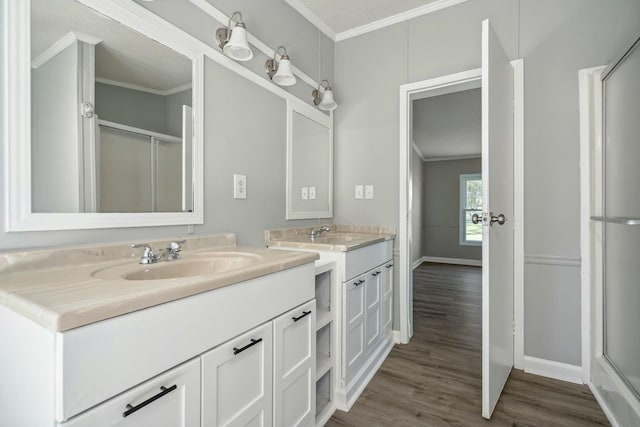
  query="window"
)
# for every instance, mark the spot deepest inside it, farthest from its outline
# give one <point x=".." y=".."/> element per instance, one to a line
<point x="470" y="203"/>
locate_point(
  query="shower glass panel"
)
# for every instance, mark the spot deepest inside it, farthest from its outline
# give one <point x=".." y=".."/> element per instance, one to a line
<point x="621" y="214"/>
<point x="168" y="176"/>
<point x="125" y="171"/>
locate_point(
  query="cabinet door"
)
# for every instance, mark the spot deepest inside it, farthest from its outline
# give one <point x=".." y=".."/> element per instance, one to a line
<point x="353" y="333"/>
<point x="171" y="399"/>
<point x="237" y="381"/>
<point x="373" y="318"/>
<point x="386" y="286"/>
<point x="294" y="373"/>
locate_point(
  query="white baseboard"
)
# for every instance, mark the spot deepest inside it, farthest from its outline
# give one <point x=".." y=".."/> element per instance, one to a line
<point x="417" y="263"/>
<point x="552" y="369"/>
<point x="603" y="405"/>
<point x="458" y="261"/>
<point x="397" y="338"/>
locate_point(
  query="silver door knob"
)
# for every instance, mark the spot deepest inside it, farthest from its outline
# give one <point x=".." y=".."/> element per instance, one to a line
<point x="476" y="219"/>
<point x="500" y="219"/>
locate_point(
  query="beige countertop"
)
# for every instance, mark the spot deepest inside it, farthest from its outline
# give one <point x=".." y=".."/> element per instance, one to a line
<point x="62" y="289"/>
<point x="341" y="238"/>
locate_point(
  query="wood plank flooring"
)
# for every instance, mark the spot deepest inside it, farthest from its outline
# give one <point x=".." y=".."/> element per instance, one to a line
<point x="435" y="380"/>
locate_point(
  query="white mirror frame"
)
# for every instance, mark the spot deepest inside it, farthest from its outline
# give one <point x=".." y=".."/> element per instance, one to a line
<point x="326" y="121"/>
<point x="17" y="120"/>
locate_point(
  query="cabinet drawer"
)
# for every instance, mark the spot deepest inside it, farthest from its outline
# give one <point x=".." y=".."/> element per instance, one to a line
<point x="171" y="399"/>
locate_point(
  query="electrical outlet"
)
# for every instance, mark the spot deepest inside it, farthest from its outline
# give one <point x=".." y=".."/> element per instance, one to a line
<point x="304" y="194"/>
<point x="359" y="192"/>
<point x="368" y="191"/>
<point x="312" y="193"/>
<point x="239" y="186"/>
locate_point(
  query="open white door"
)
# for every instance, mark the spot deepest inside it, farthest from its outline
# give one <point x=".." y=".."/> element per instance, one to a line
<point x="497" y="235"/>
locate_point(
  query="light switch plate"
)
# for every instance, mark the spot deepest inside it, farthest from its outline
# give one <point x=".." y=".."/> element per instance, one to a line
<point x="359" y="192"/>
<point x="304" y="193"/>
<point x="239" y="186"/>
<point x="368" y="191"/>
<point x="312" y="193"/>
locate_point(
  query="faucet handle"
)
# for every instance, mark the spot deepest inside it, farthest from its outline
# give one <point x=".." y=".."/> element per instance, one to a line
<point x="174" y="249"/>
<point x="147" y="248"/>
<point x="148" y="256"/>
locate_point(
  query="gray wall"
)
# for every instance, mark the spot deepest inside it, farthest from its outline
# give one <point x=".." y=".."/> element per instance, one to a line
<point x="252" y="144"/>
<point x="556" y="39"/>
<point x="441" y="209"/>
<point x="417" y="207"/>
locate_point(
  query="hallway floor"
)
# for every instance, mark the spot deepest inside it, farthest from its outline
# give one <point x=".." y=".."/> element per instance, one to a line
<point x="436" y="380"/>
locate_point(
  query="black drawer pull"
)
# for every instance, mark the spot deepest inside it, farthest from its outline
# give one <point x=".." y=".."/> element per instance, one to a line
<point x="251" y="344"/>
<point x="390" y="265"/>
<point x="131" y="409"/>
<point x="376" y="273"/>
<point x="304" y="314"/>
<point x="359" y="282"/>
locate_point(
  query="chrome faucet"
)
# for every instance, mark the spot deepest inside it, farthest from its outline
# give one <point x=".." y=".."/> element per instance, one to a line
<point x="148" y="257"/>
<point x="173" y="250"/>
<point x="316" y="233"/>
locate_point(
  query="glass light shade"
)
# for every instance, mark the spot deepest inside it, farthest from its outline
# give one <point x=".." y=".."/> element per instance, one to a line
<point x="237" y="47"/>
<point x="284" y="76"/>
<point x="327" y="103"/>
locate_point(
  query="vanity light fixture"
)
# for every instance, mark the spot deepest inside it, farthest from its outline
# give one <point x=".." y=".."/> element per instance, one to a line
<point x="233" y="41"/>
<point x="280" y="71"/>
<point x="324" y="99"/>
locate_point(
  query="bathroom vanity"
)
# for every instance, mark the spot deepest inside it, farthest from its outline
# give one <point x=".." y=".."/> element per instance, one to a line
<point x="362" y="298"/>
<point x="92" y="338"/>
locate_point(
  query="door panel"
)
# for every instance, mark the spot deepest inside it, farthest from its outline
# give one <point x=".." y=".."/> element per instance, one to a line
<point x="497" y="240"/>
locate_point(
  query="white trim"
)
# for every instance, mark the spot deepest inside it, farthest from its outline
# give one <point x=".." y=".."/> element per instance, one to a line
<point x="552" y="369"/>
<point x="407" y="91"/>
<point x="603" y="405"/>
<point x="552" y="260"/>
<point x="314" y="19"/>
<point x="394" y="19"/>
<point x="416" y="149"/>
<point x="60" y="45"/>
<point x="223" y="19"/>
<point x="417" y="263"/>
<point x="397" y="338"/>
<point x="449" y="158"/>
<point x="125" y="85"/>
<point x="518" y="212"/>
<point x="140" y="131"/>
<point x="456" y="261"/>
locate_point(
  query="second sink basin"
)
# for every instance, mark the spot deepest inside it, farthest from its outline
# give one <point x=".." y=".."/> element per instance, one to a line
<point x="195" y="265"/>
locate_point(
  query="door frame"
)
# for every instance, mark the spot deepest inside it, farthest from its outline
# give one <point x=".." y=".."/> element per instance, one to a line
<point x="439" y="86"/>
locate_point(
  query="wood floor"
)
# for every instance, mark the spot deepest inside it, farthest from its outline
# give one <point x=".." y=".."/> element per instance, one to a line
<point x="435" y="380"/>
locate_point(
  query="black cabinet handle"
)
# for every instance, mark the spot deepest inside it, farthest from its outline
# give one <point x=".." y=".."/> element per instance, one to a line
<point x="390" y="265"/>
<point x="304" y="314"/>
<point x="376" y="273"/>
<point x="359" y="282"/>
<point x="251" y="344"/>
<point x="131" y="409"/>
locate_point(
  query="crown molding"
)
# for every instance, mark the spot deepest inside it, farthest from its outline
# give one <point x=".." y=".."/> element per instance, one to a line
<point x="395" y="19"/>
<point x="448" y="158"/>
<point x="61" y="44"/>
<point x="310" y="16"/>
<point x="144" y="88"/>
<point x="417" y="150"/>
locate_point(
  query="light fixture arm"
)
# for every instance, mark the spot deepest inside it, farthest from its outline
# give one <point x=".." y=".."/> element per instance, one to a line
<point x="271" y="66"/>
<point x="317" y="93"/>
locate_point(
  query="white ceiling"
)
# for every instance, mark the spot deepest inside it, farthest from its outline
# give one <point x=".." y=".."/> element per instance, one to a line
<point x="344" y="15"/>
<point x="448" y="125"/>
<point x="123" y="55"/>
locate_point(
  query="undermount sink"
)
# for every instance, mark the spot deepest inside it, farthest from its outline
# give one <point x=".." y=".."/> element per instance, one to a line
<point x="196" y="265"/>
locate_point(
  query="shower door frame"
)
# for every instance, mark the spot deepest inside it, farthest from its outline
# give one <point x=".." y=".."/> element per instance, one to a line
<point x="618" y="401"/>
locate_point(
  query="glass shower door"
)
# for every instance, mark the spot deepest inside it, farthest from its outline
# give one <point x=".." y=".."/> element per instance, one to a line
<point x="621" y="210"/>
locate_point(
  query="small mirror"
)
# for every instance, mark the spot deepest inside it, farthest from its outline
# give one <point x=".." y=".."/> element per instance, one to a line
<point x="309" y="163"/>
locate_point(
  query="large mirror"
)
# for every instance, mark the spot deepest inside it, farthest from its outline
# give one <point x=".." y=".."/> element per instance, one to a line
<point x="309" y="162"/>
<point x="114" y="130"/>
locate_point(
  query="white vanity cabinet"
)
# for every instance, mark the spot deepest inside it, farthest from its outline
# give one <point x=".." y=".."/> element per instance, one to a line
<point x="171" y="399"/>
